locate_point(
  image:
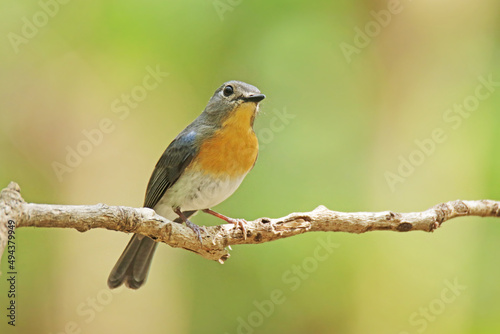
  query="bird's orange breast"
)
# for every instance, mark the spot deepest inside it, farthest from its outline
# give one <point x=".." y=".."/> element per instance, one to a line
<point x="233" y="149"/>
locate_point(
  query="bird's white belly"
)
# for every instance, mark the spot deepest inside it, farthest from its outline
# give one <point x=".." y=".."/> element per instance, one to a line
<point x="195" y="191"/>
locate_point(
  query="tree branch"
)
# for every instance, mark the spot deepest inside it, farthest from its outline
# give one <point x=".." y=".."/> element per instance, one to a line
<point x="215" y="242"/>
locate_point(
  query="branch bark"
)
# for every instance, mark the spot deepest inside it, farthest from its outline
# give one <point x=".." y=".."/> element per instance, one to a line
<point x="217" y="238"/>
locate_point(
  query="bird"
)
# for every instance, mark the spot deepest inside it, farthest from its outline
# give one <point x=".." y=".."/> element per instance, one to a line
<point x="199" y="169"/>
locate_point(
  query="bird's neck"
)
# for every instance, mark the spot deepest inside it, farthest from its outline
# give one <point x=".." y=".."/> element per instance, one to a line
<point x="241" y="118"/>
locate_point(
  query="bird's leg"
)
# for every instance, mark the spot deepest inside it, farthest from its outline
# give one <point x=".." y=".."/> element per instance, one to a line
<point x="236" y="222"/>
<point x="196" y="229"/>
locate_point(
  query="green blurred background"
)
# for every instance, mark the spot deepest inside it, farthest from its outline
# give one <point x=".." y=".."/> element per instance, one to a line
<point x="351" y="119"/>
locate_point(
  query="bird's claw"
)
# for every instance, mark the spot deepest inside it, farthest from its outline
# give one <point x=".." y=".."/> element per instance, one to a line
<point x="242" y="223"/>
<point x="196" y="229"/>
<point x="236" y="222"/>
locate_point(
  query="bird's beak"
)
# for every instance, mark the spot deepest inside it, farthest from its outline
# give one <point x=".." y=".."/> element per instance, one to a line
<point x="254" y="98"/>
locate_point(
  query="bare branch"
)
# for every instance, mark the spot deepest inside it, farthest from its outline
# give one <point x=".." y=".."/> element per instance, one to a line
<point x="215" y="242"/>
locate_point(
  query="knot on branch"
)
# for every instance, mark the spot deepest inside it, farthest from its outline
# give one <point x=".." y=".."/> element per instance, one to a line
<point x="10" y="201"/>
<point x="494" y="207"/>
<point x="10" y="196"/>
<point x="445" y="211"/>
<point x="404" y="227"/>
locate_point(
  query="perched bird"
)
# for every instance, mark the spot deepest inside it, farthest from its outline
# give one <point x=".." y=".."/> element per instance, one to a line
<point x="200" y="168"/>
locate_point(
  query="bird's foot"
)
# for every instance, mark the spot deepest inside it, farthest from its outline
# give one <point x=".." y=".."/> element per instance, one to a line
<point x="236" y="221"/>
<point x="196" y="229"/>
<point x="239" y="222"/>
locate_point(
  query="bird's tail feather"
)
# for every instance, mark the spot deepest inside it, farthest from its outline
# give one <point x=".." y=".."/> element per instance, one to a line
<point x="132" y="267"/>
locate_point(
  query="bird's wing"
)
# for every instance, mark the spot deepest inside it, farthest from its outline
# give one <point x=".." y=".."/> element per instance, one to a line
<point x="169" y="168"/>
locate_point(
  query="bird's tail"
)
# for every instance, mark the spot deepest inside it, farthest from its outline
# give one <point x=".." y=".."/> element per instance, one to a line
<point x="132" y="267"/>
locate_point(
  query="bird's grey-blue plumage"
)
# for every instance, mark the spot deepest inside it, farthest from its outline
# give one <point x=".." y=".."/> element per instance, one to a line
<point x="170" y="166"/>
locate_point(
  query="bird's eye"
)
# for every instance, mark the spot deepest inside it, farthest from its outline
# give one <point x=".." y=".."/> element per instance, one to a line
<point x="228" y="90"/>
